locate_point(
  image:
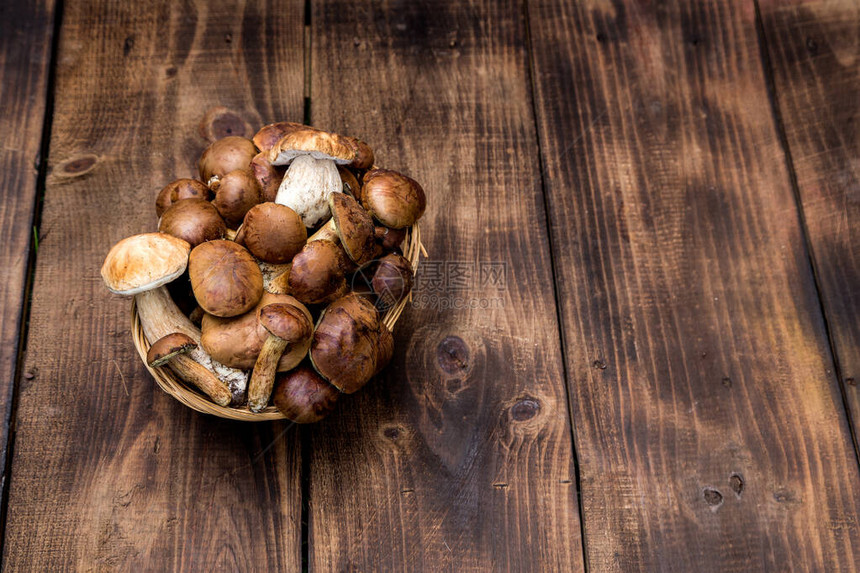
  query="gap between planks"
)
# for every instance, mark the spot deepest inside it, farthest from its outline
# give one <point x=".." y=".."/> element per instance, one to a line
<point x="565" y="368"/>
<point x="41" y="162"/>
<point x="773" y="98"/>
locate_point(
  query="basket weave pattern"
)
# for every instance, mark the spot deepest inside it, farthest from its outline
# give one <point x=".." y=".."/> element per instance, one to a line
<point x="196" y="400"/>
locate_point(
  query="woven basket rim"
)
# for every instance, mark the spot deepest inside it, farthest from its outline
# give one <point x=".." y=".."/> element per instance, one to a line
<point x="194" y="399"/>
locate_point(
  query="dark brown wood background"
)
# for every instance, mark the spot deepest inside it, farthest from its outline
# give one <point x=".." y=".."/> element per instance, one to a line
<point x="669" y="382"/>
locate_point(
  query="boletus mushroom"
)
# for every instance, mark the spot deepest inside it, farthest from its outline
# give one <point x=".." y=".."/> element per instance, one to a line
<point x="394" y="199"/>
<point x="270" y="135"/>
<point x="351" y="226"/>
<point x="179" y="190"/>
<point x="237" y="341"/>
<point x="140" y="265"/>
<point x="312" y="156"/>
<point x="268" y="176"/>
<point x="225" y="278"/>
<point x="350" y="183"/>
<point x="235" y="194"/>
<point x="363" y="153"/>
<point x="317" y="275"/>
<point x="389" y="239"/>
<point x="172" y="350"/>
<point x="193" y="220"/>
<point x="225" y="155"/>
<point x="392" y="280"/>
<point x="345" y="346"/>
<point x="273" y="233"/>
<point x="303" y="396"/>
<point x="287" y="325"/>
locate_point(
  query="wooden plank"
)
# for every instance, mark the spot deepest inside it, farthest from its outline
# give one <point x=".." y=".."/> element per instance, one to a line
<point x="108" y="471"/>
<point x="814" y="50"/>
<point x="710" y="429"/>
<point x="26" y="30"/>
<point x="458" y="458"/>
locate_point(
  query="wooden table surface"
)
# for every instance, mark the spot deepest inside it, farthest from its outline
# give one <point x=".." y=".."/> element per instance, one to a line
<point x="634" y="346"/>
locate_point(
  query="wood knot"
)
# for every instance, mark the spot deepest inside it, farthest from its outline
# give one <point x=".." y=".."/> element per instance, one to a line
<point x="392" y="432"/>
<point x="525" y="409"/>
<point x="599" y="364"/>
<point x="736" y="482"/>
<point x="78" y="166"/>
<point x="220" y="122"/>
<point x="452" y="355"/>
<point x="712" y="497"/>
<point x="170" y="72"/>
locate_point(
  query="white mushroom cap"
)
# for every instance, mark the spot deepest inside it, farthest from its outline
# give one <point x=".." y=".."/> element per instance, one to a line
<point x="143" y="262"/>
<point x="306" y="188"/>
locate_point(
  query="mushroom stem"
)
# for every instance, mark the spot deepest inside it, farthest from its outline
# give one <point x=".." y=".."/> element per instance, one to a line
<point x="186" y="368"/>
<point x="263" y="377"/>
<point x="327" y="232"/>
<point x="276" y="278"/>
<point x="306" y="186"/>
<point x="159" y="316"/>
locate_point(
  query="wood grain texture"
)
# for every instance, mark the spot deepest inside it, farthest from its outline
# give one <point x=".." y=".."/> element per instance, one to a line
<point x="459" y="457"/>
<point x="814" y="50"/>
<point x="709" y="425"/>
<point x="109" y="472"/>
<point x="26" y="32"/>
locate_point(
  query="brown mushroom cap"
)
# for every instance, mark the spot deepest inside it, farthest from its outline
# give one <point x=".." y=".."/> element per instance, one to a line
<point x="225" y="278"/>
<point x="392" y="280"/>
<point x="236" y="342"/>
<point x="226" y="155"/>
<point x="354" y="227"/>
<point x="344" y="350"/>
<point x="268" y="176"/>
<point x="350" y="183"/>
<point x="389" y="239"/>
<point x="303" y="396"/>
<point x="194" y="220"/>
<point x="314" y="142"/>
<point x="363" y="153"/>
<point x="235" y="194"/>
<point x="396" y="200"/>
<point x="273" y="233"/>
<point x="318" y="272"/>
<point x="179" y="190"/>
<point x="165" y="348"/>
<point x="271" y="134"/>
<point x="143" y="262"/>
<point x="286" y="321"/>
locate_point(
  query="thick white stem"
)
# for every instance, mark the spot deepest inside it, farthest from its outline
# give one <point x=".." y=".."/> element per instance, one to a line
<point x="306" y="187"/>
<point x="159" y="316"/>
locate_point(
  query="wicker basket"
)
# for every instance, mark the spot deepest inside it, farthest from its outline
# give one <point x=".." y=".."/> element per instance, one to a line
<point x="194" y="399"/>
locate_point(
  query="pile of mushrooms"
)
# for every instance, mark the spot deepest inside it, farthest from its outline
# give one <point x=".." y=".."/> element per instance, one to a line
<point x="248" y="290"/>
